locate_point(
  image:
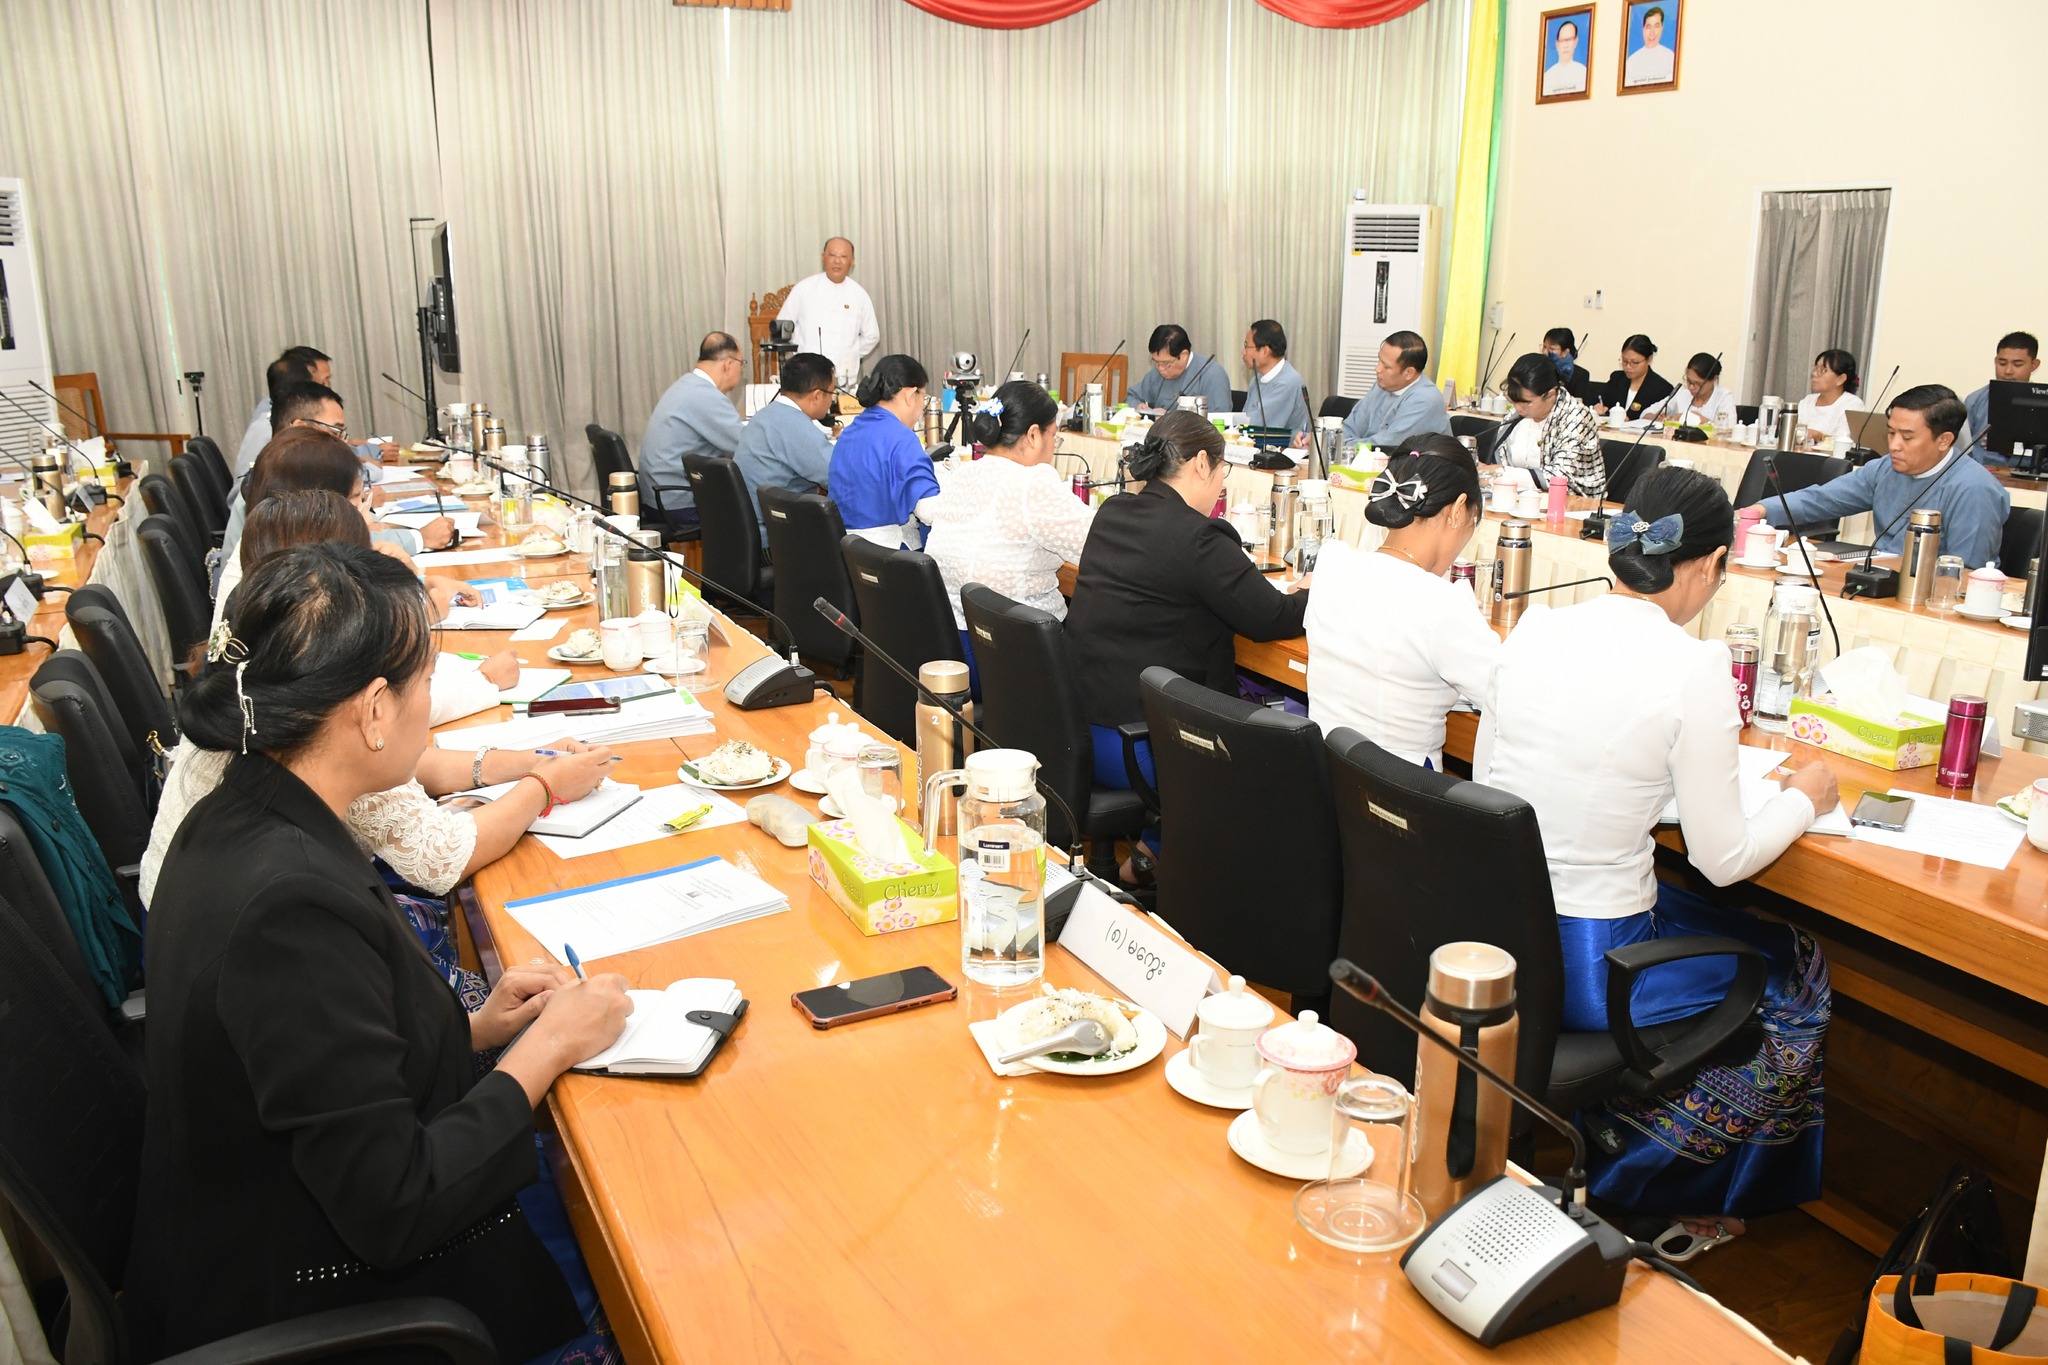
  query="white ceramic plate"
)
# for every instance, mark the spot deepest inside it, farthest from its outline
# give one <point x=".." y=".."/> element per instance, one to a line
<point x="2016" y="622"/>
<point x="665" y="665"/>
<point x="1151" y="1042"/>
<point x="1248" y="1140"/>
<point x="2007" y="811"/>
<point x="1182" y="1076"/>
<point x="1995" y="615"/>
<point x="555" y="653"/>
<point x="687" y="772"/>
<point x="1754" y="563"/>
<point x="534" y="599"/>
<point x="807" y="784"/>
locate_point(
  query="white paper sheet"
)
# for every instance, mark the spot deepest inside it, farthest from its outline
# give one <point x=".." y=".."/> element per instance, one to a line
<point x="470" y="524"/>
<point x="637" y="912"/>
<point x="1754" y="766"/>
<point x="500" y="615"/>
<point x="547" y="628"/>
<point x="1944" y="827"/>
<point x="444" y="558"/>
<point x="533" y="682"/>
<point x="641" y="823"/>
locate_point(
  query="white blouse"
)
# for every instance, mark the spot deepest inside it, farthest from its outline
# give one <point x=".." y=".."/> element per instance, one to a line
<point x="1391" y="648"/>
<point x="424" y="842"/>
<point x="1718" y="410"/>
<point x="1830" y="421"/>
<point x="1009" y="527"/>
<point x="1602" y="711"/>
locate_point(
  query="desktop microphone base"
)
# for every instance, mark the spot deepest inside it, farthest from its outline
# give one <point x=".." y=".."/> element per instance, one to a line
<point x="1505" y="1261"/>
<point x="1870" y="580"/>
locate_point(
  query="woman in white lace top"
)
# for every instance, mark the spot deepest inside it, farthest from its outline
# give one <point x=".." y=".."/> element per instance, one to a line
<point x="1009" y="521"/>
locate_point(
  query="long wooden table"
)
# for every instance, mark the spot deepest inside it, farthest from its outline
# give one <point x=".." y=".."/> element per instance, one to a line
<point x="70" y="572"/>
<point x="876" y="1192"/>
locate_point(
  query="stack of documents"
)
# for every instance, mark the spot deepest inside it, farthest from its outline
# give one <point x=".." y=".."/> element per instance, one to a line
<point x="666" y="716"/>
<point x="504" y="614"/>
<point x="638" y="912"/>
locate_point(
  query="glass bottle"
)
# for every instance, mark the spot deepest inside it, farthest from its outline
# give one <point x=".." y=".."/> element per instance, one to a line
<point x="1002" y="865"/>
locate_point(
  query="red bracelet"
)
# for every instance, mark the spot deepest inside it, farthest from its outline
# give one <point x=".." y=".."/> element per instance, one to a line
<point x="552" y="801"/>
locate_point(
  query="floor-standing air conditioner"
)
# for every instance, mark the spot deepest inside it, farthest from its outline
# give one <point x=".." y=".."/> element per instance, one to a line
<point x="24" y="336"/>
<point x="1389" y="285"/>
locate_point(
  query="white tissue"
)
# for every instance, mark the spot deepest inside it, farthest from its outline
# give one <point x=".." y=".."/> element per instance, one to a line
<point x="875" y="828"/>
<point x="1865" y="684"/>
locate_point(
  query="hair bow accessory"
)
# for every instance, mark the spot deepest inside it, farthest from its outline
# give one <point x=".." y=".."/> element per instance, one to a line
<point x="989" y="407"/>
<point x="1407" y="492"/>
<point x="1659" y="537"/>
<point x="222" y="645"/>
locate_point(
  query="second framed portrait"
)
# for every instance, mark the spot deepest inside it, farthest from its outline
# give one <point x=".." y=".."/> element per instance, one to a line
<point x="1564" y="59"/>
<point x="1650" y="34"/>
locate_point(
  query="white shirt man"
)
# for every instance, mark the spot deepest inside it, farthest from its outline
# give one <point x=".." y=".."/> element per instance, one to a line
<point x="1566" y="74"/>
<point x="1652" y="63"/>
<point x="833" y="315"/>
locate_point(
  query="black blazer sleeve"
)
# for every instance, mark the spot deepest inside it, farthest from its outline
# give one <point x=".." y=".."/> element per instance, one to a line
<point x="1239" y="595"/>
<point x="327" y="1070"/>
<point x="1656" y="388"/>
<point x="1614" y="390"/>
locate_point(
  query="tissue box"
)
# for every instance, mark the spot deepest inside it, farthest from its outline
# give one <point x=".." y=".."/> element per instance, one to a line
<point x="878" y="896"/>
<point x="62" y="543"/>
<point x="1868" y="741"/>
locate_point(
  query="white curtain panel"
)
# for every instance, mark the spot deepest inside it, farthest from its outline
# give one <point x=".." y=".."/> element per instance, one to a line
<point x="620" y="176"/>
<point x="1819" y="258"/>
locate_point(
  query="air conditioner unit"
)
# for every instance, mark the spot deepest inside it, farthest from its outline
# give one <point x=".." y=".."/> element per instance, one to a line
<point x="24" y="337"/>
<point x="1390" y="253"/>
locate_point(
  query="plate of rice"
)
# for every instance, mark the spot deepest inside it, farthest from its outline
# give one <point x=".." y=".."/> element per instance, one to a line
<point x="1135" y="1036"/>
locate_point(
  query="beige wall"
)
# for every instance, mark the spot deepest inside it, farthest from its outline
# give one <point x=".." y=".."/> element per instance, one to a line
<point x="1947" y="105"/>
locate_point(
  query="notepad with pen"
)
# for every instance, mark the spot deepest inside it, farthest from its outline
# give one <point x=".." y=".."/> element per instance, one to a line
<point x="675" y="1032"/>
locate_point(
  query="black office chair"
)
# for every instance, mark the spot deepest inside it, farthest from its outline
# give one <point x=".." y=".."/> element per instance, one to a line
<point x="1252" y="875"/>
<point x="1797" y="469"/>
<point x="1237" y="397"/>
<point x="1031" y="700"/>
<point x="101" y="624"/>
<point x="188" y="473"/>
<point x="607" y="454"/>
<point x="1431" y="859"/>
<point x="71" y="1163"/>
<point x="113" y="787"/>
<point x="25" y="887"/>
<point x="220" y="472"/>
<point x="732" y="534"/>
<point x="1473" y="425"/>
<point x="804" y="531"/>
<point x="905" y="610"/>
<point x="1747" y="413"/>
<point x="188" y="616"/>
<point x="1336" y="405"/>
<point x="1614" y="453"/>
<point x="2021" y="543"/>
<point x="161" y="498"/>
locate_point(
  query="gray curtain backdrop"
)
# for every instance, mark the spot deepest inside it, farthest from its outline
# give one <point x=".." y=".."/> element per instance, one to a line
<point x="1820" y="255"/>
<point x="217" y="179"/>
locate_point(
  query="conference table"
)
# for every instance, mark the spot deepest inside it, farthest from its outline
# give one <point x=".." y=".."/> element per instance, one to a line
<point x="875" y="1191"/>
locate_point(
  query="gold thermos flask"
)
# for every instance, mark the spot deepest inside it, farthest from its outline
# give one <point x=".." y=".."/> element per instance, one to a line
<point x="1510" y="572"/>
<point x="1462" y="1119"/>
<point x="1916" y="564"/>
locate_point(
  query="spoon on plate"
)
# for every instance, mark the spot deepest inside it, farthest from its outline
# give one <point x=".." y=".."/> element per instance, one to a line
<point x="1084" y="1036"/>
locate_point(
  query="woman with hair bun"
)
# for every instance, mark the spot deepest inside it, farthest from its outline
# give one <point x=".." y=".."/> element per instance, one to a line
<point x="1635" y="386"/>
<point x="318" y="1135"/>
<point x="881" y="477"/>
<point x="1008" y="521"/>
<point x="1392" y="643"/>
<point x="1161" y="582"/>
<point x="1825" y="412"/>
<point x="1604" y="712"/>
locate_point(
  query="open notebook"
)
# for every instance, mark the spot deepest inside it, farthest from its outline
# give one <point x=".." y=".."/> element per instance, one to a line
<point x="662" y="1040"/>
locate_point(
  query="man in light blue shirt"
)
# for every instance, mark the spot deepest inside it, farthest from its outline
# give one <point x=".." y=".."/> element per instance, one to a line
<point x="2019" y="355"/>
<point x="1275" y="395"/>
<point x="1925" y="470"/>
<point x="695" y="417"/>
<point x="1404" y="402"/>
<point x="1177" y="369"/>
<point x="298" y="365"/>
<point x="783" y="446"/>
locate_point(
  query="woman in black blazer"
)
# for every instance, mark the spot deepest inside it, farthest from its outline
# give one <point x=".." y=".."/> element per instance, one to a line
<point x="1635" y="385"/>
<point x="317" y="1135"/>
<point x="1161" y="582"/>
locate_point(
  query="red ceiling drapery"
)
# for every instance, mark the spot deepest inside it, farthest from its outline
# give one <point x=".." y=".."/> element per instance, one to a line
<point x="1032" y="13"/>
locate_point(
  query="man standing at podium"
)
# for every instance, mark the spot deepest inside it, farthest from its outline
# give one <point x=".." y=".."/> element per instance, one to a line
<point x="833" y="315"/>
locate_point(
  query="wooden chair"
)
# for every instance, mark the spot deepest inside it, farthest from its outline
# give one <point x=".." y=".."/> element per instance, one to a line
<point x="760" y="312"/>
<point x="80" y="393"/>
<point x="1078" y="368"/>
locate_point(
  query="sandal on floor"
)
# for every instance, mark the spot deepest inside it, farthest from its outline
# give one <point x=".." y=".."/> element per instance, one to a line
<point x="1679" y="1244"/>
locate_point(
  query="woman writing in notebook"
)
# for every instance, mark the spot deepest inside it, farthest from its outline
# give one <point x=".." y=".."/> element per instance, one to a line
<point x="317" y="1133"/>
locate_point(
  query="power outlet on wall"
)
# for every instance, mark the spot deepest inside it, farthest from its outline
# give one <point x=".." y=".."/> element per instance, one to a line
<point x="1496" y="314"/>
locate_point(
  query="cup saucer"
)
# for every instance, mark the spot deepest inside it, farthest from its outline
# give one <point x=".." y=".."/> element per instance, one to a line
<point x="1182" y="1076"/>
<point x="1992" y="615"/>
<point x="1770" y="563"/>
<point x="1248" y="1140"/>
<point x="803" y="781"/>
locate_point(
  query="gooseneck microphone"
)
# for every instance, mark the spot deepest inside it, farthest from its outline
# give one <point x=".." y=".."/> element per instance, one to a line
<point x="1556" y="587"/>
<point x="1877" y="406"/>
<point x="1596" y="522"/>
<point x="1017" y="355"/>
<point x="1494" y="359"/>
<point x="953" y="705"/>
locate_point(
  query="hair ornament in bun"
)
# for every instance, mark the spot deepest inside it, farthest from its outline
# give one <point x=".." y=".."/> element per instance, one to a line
<point x="1659" y="537"/>
<point x="989" y="407"/>
<point x="1407" y="492"/>
<point x="222" y="645"/>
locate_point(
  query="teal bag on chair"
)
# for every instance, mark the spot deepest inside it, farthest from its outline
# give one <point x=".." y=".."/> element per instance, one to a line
<point x="34" y="783"/>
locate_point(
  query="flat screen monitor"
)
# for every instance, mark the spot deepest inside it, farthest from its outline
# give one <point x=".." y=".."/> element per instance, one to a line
<point x="441" y="301"/>
<point x="2019" y="416"/>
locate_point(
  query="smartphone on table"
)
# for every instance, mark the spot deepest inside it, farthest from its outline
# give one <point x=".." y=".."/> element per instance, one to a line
<point x="829" y="1006"/>
<point x="1882" y="810"/>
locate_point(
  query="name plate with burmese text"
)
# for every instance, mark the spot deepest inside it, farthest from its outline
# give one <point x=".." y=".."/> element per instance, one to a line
<point x="1150" y="966"/>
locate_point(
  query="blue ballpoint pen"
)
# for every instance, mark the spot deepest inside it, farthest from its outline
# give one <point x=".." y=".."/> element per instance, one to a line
<point x="575" y="962"/>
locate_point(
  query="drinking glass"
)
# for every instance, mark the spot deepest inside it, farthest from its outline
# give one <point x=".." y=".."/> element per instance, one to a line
<point x="1948" y="583"/>
<point x="881" y="775"/>
<point x="1371" y="1209"/>
<point x="692" y="653"/>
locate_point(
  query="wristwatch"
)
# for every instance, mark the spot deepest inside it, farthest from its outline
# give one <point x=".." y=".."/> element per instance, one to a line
<point x="476" y="767"/>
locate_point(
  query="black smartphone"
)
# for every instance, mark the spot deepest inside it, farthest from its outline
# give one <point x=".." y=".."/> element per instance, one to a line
<point x="828" y="1006"/>
<point x="573" y="706"/>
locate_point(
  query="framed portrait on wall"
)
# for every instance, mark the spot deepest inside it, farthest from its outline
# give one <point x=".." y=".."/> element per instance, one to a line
<point x="1650" y="34"/>
<point x="1564" y="57"/>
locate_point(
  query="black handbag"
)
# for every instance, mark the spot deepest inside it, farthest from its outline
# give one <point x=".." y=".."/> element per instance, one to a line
<point x="1959" y="1230"/>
